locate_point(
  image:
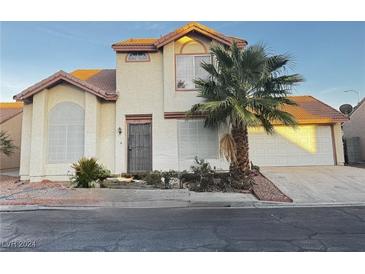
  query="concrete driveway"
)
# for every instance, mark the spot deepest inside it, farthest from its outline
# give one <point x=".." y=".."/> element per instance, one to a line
<point x="319" y="184"/>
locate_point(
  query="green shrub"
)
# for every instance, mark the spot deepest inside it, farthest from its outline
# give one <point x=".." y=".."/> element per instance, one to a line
<point x="7" y="146"/>
<point x="201" y="167"/>
<point x="255" y="168"/>
<point x="88" y="172"/>
<point x="168" y="176"/>
<point x="159" y="179"/>
<point x="152" y="178"/>
<point x="203" y="178"/>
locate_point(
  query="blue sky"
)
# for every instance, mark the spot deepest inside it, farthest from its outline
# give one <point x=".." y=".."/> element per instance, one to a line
<point x="330" y="55"/>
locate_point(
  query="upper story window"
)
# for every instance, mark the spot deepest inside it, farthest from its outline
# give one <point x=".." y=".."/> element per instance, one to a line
<point x="188" y="68"/>
<point x="65" y="133"/>
<point x="138" y="57"/>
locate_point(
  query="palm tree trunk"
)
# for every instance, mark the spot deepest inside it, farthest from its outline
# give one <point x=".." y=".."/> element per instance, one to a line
<point x="241" y="168"/>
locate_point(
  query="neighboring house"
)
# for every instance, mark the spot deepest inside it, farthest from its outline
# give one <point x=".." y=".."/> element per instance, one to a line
<point x="133" y="118"/>
<point x="355" y="128"/>
<point x="11" y="123"/>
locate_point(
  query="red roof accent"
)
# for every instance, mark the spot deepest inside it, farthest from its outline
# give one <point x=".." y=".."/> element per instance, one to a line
<point x="204" y="30"/>
<point x="9" y="110"/>
<point x="94" y="86"/>
<point x="153" y="44"/>
<point x="310" y="110"/>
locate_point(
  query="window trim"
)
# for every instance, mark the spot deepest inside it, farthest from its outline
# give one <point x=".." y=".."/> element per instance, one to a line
<point x="188" y="54"/>
<point x="137" y="61"/>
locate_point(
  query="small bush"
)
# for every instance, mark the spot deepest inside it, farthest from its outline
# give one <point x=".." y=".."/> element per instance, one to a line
<point x="204" y="178"/>
<point x="159" y="179"/>
<point x="88" y="172"/>
<point x="7" y="146"/>
<point x="168" y="176"/>
<point x="153" y="178"/>
<point x="255" y="168"/>
<point x="201" y="167"/>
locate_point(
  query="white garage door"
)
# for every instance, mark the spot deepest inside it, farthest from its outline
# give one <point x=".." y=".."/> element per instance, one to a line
<point x="305" y="145"/>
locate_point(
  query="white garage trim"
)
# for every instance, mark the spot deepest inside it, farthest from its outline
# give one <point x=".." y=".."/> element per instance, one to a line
<point x="333" y="145"/>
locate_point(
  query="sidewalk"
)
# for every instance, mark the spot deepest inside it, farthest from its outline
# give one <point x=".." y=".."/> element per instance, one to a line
<point x="19" y="196"/>
<point x="16" y="194"/>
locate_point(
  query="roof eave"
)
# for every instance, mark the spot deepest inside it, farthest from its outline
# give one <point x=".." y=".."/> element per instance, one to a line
<point x="130" y="48"/>
<point x="165" y="39"/>
<point x="63" y="76"/>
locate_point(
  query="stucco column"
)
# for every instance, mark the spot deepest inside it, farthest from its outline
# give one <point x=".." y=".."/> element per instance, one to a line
<point x="38" y="140"/>
<point x="91" y="121"/>
<point x="25" y="142"/>
<point x="337" y="134"/>
<point x="120" y="141"/>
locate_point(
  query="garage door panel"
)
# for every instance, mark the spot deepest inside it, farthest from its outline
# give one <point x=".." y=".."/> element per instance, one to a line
<point x="306" y="145"/>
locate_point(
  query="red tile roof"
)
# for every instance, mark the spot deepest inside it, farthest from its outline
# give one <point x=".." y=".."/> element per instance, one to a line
<point x="153" y="44"/>
<point x="104" y="79"/>
<point x="100" y="83"/>
<point x="310" y="110"/>
<point x="9" y="110"/>
<point x="137" y="42"/>
<point x="84" y="74"/>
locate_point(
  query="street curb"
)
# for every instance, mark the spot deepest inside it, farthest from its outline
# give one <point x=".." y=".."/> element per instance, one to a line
<point x="296" y="205"/>
<point x="252" y="205"/>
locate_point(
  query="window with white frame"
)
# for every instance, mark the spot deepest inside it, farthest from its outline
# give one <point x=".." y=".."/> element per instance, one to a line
<point x="188" y="69"/>
<point x="196" y="140"/>
<point x="138" y="57"/>
<point x="65" y="133"/>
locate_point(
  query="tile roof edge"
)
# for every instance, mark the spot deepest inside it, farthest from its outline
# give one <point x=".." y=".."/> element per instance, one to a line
<point x="164" y="39"/>
<point x="11" y="105"/>
<point x="328" y="106"/>
<point x="11" y="117"/>
<point x="62" y="75"/>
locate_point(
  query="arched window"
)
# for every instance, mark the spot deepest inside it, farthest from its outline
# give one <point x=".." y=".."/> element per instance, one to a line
<point x="65" y="133"/>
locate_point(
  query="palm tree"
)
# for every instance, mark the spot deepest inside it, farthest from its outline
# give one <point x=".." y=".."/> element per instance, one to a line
<point x="245" y="88"/>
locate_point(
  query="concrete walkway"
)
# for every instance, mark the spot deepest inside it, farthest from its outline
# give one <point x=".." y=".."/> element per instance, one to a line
<point x="319" y="184"/>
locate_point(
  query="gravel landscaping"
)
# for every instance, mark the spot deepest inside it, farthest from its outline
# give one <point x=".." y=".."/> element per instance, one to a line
<point x="265" y="190"/>
<point x="15" y="192"/>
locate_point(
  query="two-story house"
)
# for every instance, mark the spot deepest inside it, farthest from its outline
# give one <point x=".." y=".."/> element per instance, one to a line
<point x="132" y="118"/>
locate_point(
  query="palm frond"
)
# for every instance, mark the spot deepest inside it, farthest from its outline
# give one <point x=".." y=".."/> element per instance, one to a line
<point x="246" y="87"/>
<point x="227" y="148"/>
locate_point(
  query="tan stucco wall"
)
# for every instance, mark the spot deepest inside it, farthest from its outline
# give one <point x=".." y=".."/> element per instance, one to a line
<point x="26" y="137"/>
<point x="180" y="100"/>
<point x="106" y="135"/>
<point x="355" y="127"/>
<point x="140" y="88"/>
<point x="13" y="128"/>
<point x="149" y="88"/>
<point x="99" y="132"/>
<point x="338" y="133"/>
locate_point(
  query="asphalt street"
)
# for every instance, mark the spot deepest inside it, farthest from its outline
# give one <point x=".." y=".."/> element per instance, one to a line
<point x="185" y="229"/>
